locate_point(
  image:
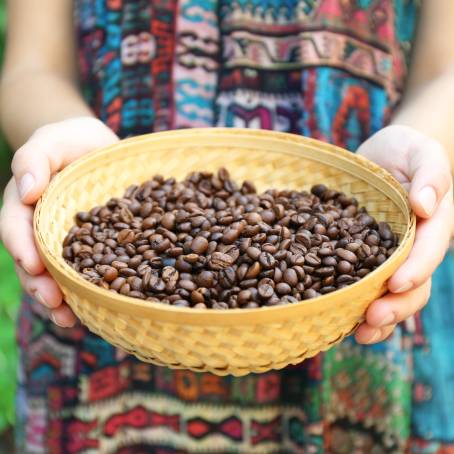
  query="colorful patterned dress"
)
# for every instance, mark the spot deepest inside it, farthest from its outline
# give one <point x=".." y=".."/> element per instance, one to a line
<point x="329" y="69"/>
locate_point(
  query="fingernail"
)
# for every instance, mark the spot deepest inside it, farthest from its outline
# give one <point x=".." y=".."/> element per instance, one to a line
<point x="52" y="317"/>
<point x="387" y="320"/>
<point x="24" y="267"/>
<point x="41" y="299"/>
<point x="374" y="337"/>
<point x="26" y="185"/>
<point x="428" y="198"/>
<point x="404" y="288"/>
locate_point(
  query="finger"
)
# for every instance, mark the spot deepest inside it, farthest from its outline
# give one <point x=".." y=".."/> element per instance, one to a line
<point x="430" y="176"/>
<point x="366" y="334"/>
<point x="53" y="147"/>
<point x="395" y="308"/>
<point x="42" y="288"/>
<point x="429" y="249"/>
<point x="16" y="231"/>
<point x="63" y="316"/>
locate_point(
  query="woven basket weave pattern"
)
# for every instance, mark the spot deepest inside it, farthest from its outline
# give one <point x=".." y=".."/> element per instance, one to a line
<point x="240" y="341"/>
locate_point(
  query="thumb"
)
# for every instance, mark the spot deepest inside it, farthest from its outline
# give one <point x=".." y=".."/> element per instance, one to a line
<point x="53" y="147"/>
<point x="430" y="176"/>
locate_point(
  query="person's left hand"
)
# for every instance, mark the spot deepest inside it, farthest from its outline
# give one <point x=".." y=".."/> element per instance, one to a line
<point x="421" y="165"/>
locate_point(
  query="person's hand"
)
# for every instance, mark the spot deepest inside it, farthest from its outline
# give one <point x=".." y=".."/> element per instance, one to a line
<point x="421" y="165"/>
<point x="49" y="150"/>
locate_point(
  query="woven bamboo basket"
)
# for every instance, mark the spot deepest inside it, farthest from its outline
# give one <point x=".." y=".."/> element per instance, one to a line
<point x="236" y="341"/>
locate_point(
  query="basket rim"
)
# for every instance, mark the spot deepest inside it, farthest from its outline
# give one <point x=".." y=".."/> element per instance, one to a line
<point x="68" y="277"/>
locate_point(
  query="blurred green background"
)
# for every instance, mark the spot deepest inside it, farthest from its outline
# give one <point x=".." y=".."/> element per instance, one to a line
<point x="9" y="296"/>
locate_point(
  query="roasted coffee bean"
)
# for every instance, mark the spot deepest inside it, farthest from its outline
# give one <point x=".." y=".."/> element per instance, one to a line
<point x="309" y="293"/>
<point x="265" y="291"/>
<point x="283" y="288"/>
<point x="344" y="267"/>
<point x="169" y="274"/>
<point x="253" y="253"/>
<point x="267" y="260"/>
<point x="329" y="261"/>
<point x="227" y="278"/>
<point x="219" y="261"/>
<point x="324" y="271"/>
<point x="362" y="272"/>
<point x="312" y="259"/>
<point x="199" y="245"/>
<point x="205" y="279"/>
<point x="253" y="271"/>
<point x="168" y="221"/>
<point x="109" y="273"/>
<point x="191" y="258"/>
<point x="290" y="276"/>
<point x="187" y="285"/>
<point x="347" y="255"/>
<point x="125" y="236"/>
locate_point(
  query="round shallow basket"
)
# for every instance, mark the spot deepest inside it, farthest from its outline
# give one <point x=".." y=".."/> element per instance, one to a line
<point x="236" y="341"/>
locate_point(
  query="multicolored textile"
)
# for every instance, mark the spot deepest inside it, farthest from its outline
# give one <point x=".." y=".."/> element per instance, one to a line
<point x="330" y="69"/>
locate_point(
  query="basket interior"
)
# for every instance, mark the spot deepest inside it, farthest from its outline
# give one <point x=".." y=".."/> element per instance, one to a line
<point x="270" y="160"/>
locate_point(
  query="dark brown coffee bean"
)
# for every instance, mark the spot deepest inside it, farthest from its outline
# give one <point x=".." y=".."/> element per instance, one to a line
<point x="197" y="296"/>
<point x="344" y="267"/>
<point x="231" y="250"/>
<point x="191" y="258"/>
<point x="127" y="272"/>
<point x="244" y="297"/>
<point x="109" y="273"/>
<point x="365" y="219"/>
<point x="174" y="251"/>
<point x="125" y="289"/>
<point x="329" y="261"/>
<point x="363" y="272"/>
<point x="119" y="265"/>
<point x="182" y="266"/>
<point x="268" y="216"/>
<point x="181" y="303"/>
<point x="347" y="255"/>
<point x="324" y="271"/>
<point x="253" y="253"/>
<point x="344" y="279"/>
<point x="309" y="293"/>
<point x="168" y="221"/>
<point x="227" y="278"/>
<point x="267" y="260"/>
<point x="312" y="260"/>
<point x="265" y="291"/>
<point x="125" y="236"/>
<point x="117" y="283"/>
<point x="160" y="244"/>
<point x="290" y="277"/>
<point x="219" y="261"/>
<point x="205" y="279"/>
<point x="381" y="258"/>
<point x="135" y="283"/>
<point x="187" y="285"/>
<point x="199" y="245"/>
<point x="283" y="288"/>
<point x="253" y="218"/>
<point x="253" y="271"/>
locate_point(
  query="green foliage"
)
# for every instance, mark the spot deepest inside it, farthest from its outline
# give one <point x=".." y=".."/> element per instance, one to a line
<point x="9" y="294"/>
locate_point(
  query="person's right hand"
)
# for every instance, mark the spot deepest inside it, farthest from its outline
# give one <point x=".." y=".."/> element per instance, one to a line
<point x="50" y="149"/>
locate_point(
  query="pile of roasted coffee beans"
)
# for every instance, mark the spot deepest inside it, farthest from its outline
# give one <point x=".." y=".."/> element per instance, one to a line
<point x="208" y="243"/>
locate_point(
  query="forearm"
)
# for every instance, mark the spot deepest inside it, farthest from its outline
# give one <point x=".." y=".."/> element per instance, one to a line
<point x="32" y="99"/>
<point x="430" y="109"/>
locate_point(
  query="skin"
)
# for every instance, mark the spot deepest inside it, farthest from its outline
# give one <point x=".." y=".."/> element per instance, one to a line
<point x="46" y="119"/>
